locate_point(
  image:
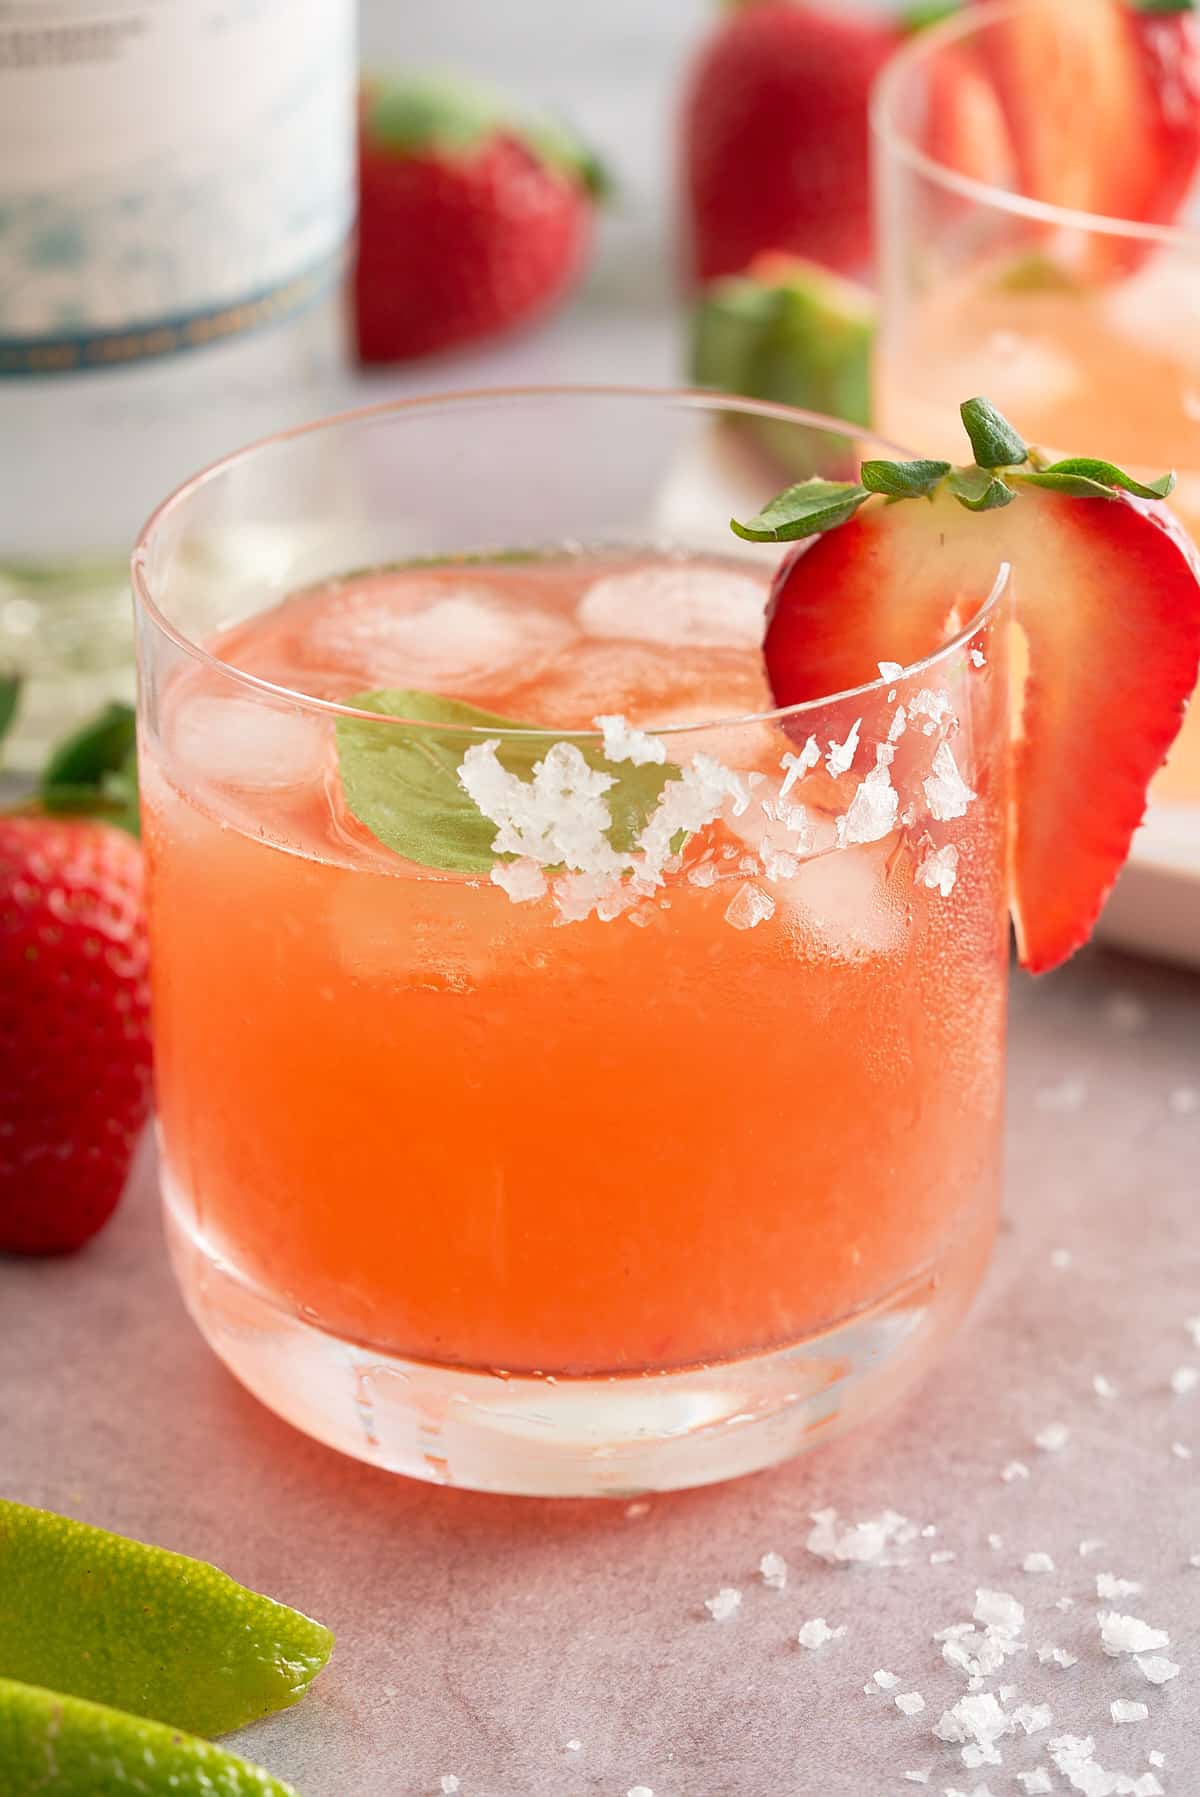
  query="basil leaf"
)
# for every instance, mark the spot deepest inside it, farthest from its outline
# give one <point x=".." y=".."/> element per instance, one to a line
<point x="10" y="694"/>
<point x="401" y="779"/>
<point x="803" y="511"/>
<point x="978" y="489"/>
<point x="993" y="439"/>
<point x="94" y="771"/>
<point x="903" y="480"/>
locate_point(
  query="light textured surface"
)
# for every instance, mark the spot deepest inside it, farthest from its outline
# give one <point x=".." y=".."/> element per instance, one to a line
<point x="478" y="1636"/>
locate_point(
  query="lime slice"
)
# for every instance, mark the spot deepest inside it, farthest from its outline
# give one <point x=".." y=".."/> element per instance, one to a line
<point x="145" y="1630"/>
<point x="65" y="1747"/>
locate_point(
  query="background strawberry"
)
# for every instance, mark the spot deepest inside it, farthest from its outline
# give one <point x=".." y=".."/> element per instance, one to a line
<point x="74" y="1000"/>
<point x="470" y="221"/>
<point x="774" y="136"/>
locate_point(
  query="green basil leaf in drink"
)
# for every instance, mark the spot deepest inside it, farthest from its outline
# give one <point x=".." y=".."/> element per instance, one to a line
<point x="401" y="779"/>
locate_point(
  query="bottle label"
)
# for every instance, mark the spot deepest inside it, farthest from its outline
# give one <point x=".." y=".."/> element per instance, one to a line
<point x="172" y="172"/>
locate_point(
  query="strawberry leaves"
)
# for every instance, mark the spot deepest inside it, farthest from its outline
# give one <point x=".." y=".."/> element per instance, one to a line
<point x="1003" y="463"/>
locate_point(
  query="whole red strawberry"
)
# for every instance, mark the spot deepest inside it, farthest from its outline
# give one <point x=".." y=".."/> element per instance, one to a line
<point x="775" y="141"/>
<point x="74" y="1004"/>
<point x="469" y="222"/>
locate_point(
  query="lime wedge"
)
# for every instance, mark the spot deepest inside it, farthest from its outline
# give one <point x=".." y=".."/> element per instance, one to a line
<point x="145" y="1630"/>
<point x="65" y="1747"/>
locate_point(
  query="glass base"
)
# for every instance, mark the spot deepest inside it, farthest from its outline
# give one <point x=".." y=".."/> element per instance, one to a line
<point x="547" y="1437"/>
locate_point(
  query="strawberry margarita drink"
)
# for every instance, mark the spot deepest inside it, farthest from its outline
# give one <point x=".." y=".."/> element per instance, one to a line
<point x="580" y="966"/>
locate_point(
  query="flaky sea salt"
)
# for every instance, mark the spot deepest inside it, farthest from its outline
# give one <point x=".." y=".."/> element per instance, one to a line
<point x="1128" y="1634"/>
<point x="978" y="658"/>
<point x="1053" y="1438"/>
<point x="523" y="880"/>
<point x="1184" y="1379"/>
<point x="995" y="1542"/>
<point x="977" y="1721"/>
<point x="1156" y="1668"/>
<point x="1037" y="1563"/>
<point x="909" y="1703"/>
<point x="773" y="1568"/>
<point x="1103" y="1388"/>
<point x="939" y="870"/>
<point x="999" y="1609"/>
<point x="1064" y="1603"/>
<point x="574" y="1746"/>
<point x="860" y="1543"/>
<point x="1155" y="1758"/>
<point x="930" y="706"/>
<point x="796" y="766"/>
<point x="640" y="1791"/>
<point x="840" y="758"/>
<point x="1060" y="1259"/>
<point x="872" y="811"/>
<point x="1108" y="1587"/>
<point x="918" y="1778"/>
<point x="1181" y="1450"/>
<point x="1057" y="1656"/>
<point x="817" y="1632"/>
<point x="725" y="1604"/>
<point x="889" y="670"/>
<point x="898" y="725"/>
<point x="946" y="792"/>
<point x="622" y="742"/>
<point x="1125" y="1711"/>
<point x="942" y="1556"/>
<point x="749" y="907"/>
<point x="1192" y="1325"/>
<point x="887" y="1681"/>
<point x="1016" y="1469"/>
<point x="1031" y="1718"/>
<point x="1035" y="1783"/>
<point x="448" y="1784"/>
<point x="1090" y="1544"/>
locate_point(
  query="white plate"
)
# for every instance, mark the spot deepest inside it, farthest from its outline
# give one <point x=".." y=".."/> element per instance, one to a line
<point x="1154" y="909"/>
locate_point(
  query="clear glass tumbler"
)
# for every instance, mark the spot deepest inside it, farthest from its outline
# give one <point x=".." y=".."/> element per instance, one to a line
<point x="549" y="1106"/>
<point x="1083" y="328"/>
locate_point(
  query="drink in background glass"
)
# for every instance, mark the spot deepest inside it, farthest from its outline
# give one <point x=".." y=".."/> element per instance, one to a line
<point x="1086" y="328"/>
<point x="561" y="1181"/>
<point x="175" y="193"/>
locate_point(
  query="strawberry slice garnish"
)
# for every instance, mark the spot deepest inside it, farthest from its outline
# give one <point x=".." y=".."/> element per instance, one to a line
<point x="1107" y="589"/>
<point x="1102" y="99"/>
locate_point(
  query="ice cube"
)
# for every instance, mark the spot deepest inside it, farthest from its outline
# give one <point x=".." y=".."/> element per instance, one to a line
<point x="838" y="902"/>
<point x="252" y="744"/>
<point x="402" y="630"/>
<point x="685" y="604"/>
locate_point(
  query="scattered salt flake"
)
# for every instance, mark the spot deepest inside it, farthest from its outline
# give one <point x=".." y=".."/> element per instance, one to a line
<point x="796" y="766"/>
<point x="1060" y="1259"/>
<point x="909" y="1703"/>
<point x="640" y="1791"/>
<point x="749" y="907"/>
<point x="942" y="1556"/>
<point x="1184" y="1379"/>
<point x="1194" y="1559"/>
<point x="1156" y="1668"/>
<point x="1181" y="1450"/>
<point x="978" y="658"/>
<point x="998" y="1609"/>
<point x="1053" y="1438"/>
<point x="574" y="1746"/>
<point x="1089" y="1545"/>
<point x="773" y="1568"/>
<point x="1128" y="1634"/>
<point x="1068" y="1095"/>
<point x="1184" y="1101"/>
<point x="890" y="670"/>
<point x="1031" y="1717"/>
<point x="898" y="725"/>
<point x="979" y="1791"/>
<point x="1073" y="1758"/>
<point x="1064" y="1603"/>
<point x="725" y="1604"/>
<point x="872" y="811"/>
<point x="932" y="706"/>
<point x="939" y="870"/>
<point x="1103" y="1388"/>
<point x="1109" y="1587"/>
<point x="841" y="755"/>
<point x="887" y="1681"/>
<point x="860" y="1543"/>
<point x="1057" y="1656"/>
<point x="1125" y="1711"/>
<point x="1016" y="1469"/>
<point x="703" y="874"/>
<point x="523" y="880"/>
<point x="449" y="1784"/>
<point x="817" y="1632"/>
<point x="1155" y="1758"/>
<point x="918" y="1778"/>
<point x="929" y="1531"/>
<point x="639" y="1507"/>
<point x="946" y="792"/>
<point x="1035" y="1783"/>
<point x="1126" y="1013"/>
<point x="622" y="742"/>
<point x="995" y="1542"/>
<point x="977" y="1720"/>
<point x="1192" y="1325"/>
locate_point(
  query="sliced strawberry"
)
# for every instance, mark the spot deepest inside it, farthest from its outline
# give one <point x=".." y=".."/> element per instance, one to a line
<point x="1103" y="101"/>
<point x="1108" y="597"/>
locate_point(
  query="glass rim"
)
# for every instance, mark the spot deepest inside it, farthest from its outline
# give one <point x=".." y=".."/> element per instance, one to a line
<point x="893" y="140"/>
<point x="695" y="398"/>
